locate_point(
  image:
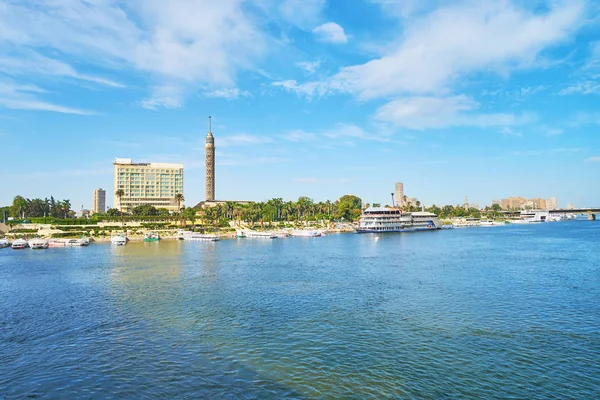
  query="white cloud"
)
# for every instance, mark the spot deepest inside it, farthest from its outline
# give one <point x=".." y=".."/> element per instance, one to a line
<point x="241" y="139"/>
<point x="28" y="62"/>
<point x="299" y="136"/>
<point x="587" y="87"/>
<point x="321" y="180"/>
<point x="530" y="90"/>
<point x="350" y="131"/>
<point x="310" y="67"/>
<point x="330" y="32"/>
<point x="168" y="96"/>
<point x="25" y="97"/>
<point x="437" y="49"/>
<point x="438" y="112"/>
<point x="543" y="152"/>
<point x="227" y="93"/>
<point x="309" y="89"/>
<point x="179" y="43"/>
<point x="593" y="159"/>
<point x="304" y="14"/>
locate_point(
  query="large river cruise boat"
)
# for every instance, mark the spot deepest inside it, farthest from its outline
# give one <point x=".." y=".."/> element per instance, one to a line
<point x="381" y="220"/>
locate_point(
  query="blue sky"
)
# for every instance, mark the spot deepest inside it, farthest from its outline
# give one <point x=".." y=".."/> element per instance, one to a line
<point x="320" y="98"/>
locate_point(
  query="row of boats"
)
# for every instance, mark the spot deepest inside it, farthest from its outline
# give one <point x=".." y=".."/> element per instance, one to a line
<point x="38" y="243"/>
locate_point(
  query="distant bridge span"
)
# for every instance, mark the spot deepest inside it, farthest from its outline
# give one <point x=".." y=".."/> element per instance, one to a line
<point x="591" y="212"/>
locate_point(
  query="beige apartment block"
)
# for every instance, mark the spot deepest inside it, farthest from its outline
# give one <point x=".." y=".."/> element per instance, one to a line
<point x="152" y="183"/>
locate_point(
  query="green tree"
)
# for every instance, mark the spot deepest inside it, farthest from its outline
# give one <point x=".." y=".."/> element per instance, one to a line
<point x="112" y="212"/>
<point x="18" y="207"/>
<point x="349" y="207"/>
<point x="120" y="193"/>
<point x="66" y="207"/>
<point x="163" y="212"/>
<point x="145" y="210"/>
<point x="189" y="214"/>
<point x="179" y="199"/>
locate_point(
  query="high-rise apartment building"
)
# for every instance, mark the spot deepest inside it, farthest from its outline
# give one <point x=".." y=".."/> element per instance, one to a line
<point x="99" y="201"/>
<point x="155" y="184"/>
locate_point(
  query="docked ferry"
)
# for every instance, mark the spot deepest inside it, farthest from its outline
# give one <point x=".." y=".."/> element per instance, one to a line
<point x="381" y="219"/>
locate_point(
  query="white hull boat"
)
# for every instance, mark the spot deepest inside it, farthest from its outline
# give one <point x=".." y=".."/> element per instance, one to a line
<point x="77" y="242"/>
<point x="120" y="240"/>
<point x="256" y="235"/>
<point x="4" y="243"/>
<point x="37" y="244"/>
<point x="305" y="233"/>
<point x="19" y="244"/>
<point x="201" y="237"/>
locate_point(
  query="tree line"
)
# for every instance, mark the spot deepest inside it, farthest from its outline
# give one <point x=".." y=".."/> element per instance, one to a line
<point x="346" y="208"/>
<point x="32" y="208"/>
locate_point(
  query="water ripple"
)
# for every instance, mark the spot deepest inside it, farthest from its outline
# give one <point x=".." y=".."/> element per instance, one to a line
<point x="496" y="313"/>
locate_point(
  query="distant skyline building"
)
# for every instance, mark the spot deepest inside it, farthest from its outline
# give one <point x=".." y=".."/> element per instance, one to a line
<point x="399" y="189"/>
<point x="520" y="203"/>
<point x="99" y="204"/>
<point x="209" y="149"/>
<point x="154" y="184"/>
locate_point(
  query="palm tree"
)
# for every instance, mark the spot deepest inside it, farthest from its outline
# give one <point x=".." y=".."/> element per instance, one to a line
<point x="66" y="207"/>
<point x="179" y="199"/>
<point x="120" y="193"/>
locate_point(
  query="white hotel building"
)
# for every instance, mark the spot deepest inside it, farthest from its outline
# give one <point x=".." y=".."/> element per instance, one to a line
<point x="147" y="183"/>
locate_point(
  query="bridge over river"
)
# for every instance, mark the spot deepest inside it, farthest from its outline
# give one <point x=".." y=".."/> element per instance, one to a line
<point x="591" y="212"/>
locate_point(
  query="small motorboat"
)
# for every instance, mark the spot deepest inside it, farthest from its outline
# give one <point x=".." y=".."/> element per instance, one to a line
<point x="77" y="242"/>
<point x="151" y="237"/>
<point x="56" y="243"/>
<point x="20" y="244"/>
<point x="119" y="240"/>
<point x="306" y="233"/>
<point x="4" y="243"/>
<point x="38" y="244"/>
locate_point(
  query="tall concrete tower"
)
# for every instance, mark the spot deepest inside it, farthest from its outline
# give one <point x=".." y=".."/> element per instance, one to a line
<point x="399" y="194"/>
<point x="209" y="149"/>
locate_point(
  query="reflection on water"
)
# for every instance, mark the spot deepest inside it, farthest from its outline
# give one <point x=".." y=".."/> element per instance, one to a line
<point x="473" y="313"/>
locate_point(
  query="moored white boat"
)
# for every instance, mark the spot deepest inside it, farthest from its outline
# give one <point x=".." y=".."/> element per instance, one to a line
<point x="4" y="243"/>
<point x="56" y="243"/>
<point x="533" y="216"/>
<point x="119" y="240"/>
<point x="201" y="237"/>
<point x="305" y="233"/>
<point x="383" y="219"/>
<point x="77" y="242"/>
<point x="151" y="237"/>
<point x="256" y="235"/>
<point x="37" y="244"/>
<point x="19" y="244"/>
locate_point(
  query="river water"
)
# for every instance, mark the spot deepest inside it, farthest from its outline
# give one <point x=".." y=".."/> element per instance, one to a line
<point x="494" y="313"/>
